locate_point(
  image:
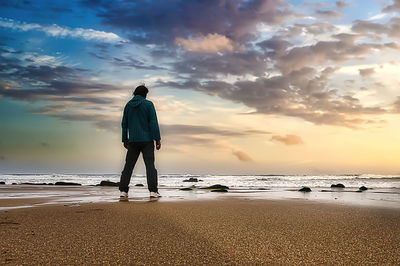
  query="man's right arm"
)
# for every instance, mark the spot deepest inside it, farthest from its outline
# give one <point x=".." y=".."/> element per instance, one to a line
<point x="154" y="128"/>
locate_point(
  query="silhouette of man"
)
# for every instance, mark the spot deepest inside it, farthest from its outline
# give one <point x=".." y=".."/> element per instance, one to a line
<point x="139" y="131"/>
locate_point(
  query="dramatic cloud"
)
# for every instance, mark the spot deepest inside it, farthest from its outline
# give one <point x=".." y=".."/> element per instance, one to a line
<point x="155" y="22"/>
<point x="253" y="53"/>
<point x="63" y="32"/>
<point x="211" y="43"/>
<point x="41" y="82"/>
<point x="302" y="93"/>
<point x="288" y="139"/>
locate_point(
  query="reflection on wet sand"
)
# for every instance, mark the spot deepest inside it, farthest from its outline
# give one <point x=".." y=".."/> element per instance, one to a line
<point x="23" y="196"/>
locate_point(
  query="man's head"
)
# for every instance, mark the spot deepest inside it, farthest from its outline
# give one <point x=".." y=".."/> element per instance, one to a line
<point x="141" y="90"/>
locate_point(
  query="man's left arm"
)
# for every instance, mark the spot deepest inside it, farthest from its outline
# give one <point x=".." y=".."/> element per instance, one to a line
<point x="124" y="125"/>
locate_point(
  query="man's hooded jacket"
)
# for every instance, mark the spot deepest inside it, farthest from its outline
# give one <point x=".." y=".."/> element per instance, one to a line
<point x="139" y="122"/>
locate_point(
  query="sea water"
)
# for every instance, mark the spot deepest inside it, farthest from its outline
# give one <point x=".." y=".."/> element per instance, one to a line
<point x="233" y="181"/>
<point x="383" y="190"/>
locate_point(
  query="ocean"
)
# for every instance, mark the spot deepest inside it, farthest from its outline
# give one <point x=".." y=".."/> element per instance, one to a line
<point x="383" y="190"/>
<point x="233" y="181"/>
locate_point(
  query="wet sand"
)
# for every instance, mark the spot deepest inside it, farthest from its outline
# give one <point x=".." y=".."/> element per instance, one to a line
<point x="213" y="232"/>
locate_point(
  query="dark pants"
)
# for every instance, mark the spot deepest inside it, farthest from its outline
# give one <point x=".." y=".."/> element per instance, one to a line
<point x="134" y="149"/>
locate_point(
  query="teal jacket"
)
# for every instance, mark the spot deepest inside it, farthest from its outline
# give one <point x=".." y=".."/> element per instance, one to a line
<point x="140" y="121"/>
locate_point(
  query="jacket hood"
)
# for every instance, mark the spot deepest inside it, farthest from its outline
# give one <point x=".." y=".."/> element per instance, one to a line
<point x="136" y="101"/>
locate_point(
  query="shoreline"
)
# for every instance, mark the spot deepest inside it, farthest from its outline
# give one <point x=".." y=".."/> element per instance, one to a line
<point x="25" y="196"/>
<point x="213" y="232"/>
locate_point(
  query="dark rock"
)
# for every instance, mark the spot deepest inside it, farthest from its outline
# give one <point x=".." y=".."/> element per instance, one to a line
<point x="2" y="183"/>
<point x="107" y="183"/>
<point x="338" y="186"/>
<point x="219" y="190"/>
<point x="362" y="188"/>
<point x="186" y="189"/>
<point x="305" y="189"/>
<point x="192" y="179"/>
<point x="14" y="184"/>
<point x="67" y="184"/>
<point x="139" y="185"/>
<point x="217" y="186"/>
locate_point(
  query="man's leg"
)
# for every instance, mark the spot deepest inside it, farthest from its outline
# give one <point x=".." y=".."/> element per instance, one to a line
<point x="131" y="157"/>
<point x="151" y="171"/>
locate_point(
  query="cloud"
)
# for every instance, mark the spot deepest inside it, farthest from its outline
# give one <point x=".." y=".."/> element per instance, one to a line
<point x="155" y="22"/>
<point x="130" y="62"/>
<point x="301" y="93"/>
<point x="207" y="130"/>
<point x="327" y="14"/>
<point x="341" y="5"/>
<point x="312" y="29"/>
<point x="39" y="7"/>
<point x="288" y="139"/>
<point x="50" y="109"/>
<point x="209" y="66"/>
<point x="211" y="43"/>
<point x="62" y="32"/>
<point x="342" y="49"/>
<point x="366" y="72"/>
<point x="285" y="68"/>
<point x="395" y="7"/>
<point x="391" y="28"/>
<point x="396" y="105"/>
<point x="44" y="81"/>
<point x="242" y="156"/>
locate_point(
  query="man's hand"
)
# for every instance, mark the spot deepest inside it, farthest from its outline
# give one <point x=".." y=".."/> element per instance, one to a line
<point x="158" y="144"/>
<point x="126" y="145"/>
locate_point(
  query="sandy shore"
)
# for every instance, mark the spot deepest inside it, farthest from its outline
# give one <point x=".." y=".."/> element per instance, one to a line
<point x="234" y="231"/>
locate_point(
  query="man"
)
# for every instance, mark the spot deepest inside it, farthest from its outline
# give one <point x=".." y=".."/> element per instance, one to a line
<point x="139" y="131"/>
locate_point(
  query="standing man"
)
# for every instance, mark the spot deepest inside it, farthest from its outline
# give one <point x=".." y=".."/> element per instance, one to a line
<point x="139" y="131"/>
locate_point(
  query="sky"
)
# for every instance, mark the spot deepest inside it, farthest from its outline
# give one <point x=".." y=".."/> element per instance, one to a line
<point x="240" y="86"/>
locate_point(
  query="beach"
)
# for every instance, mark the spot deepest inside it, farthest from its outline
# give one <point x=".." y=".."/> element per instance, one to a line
<point x="213" y="231"/>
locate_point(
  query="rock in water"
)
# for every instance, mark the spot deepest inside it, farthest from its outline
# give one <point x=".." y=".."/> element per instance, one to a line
<point x="305" y="189"/>
<point x="219" y="190"/>
<point x="362" y="188"/>
<point x="338" y="186"/>
<point x="191" y="180"/>
<point x="186" y="189"/>
<point x="217" y="186"/>
<point x="67" y="184"/>
<point x="2" y="183"/>
<point x="107" y="183"/>
<point x="139" y="185"/>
